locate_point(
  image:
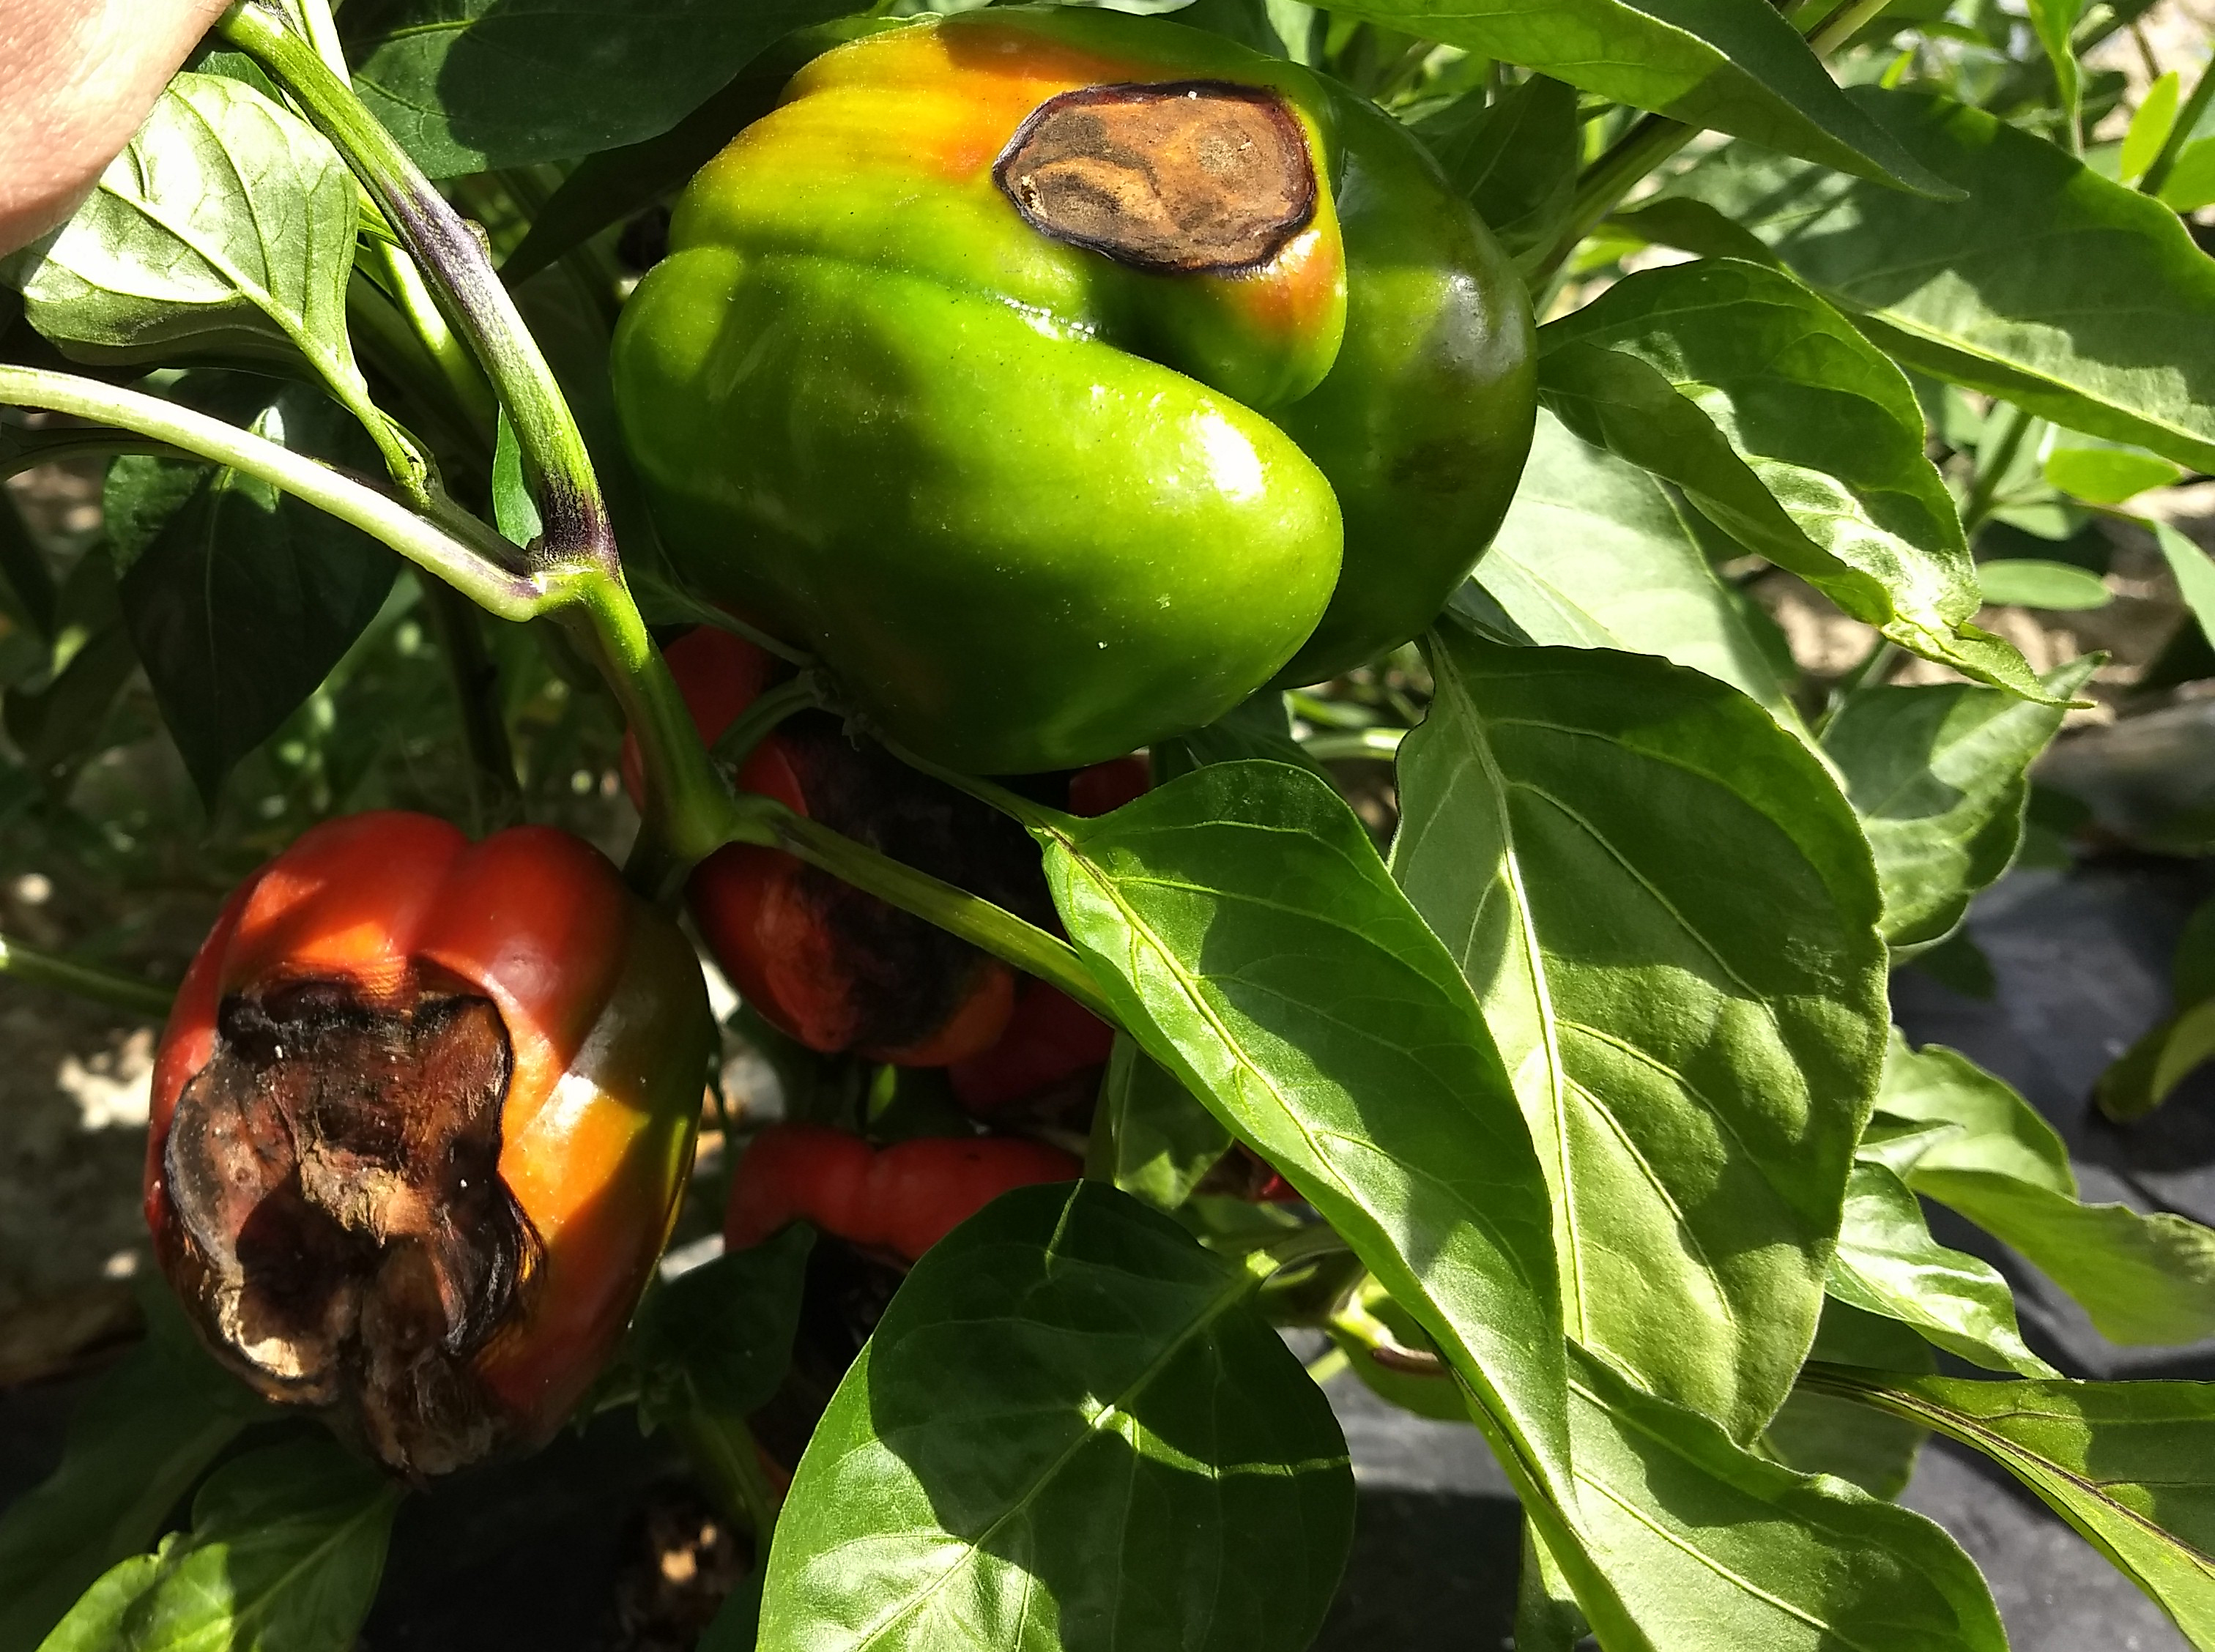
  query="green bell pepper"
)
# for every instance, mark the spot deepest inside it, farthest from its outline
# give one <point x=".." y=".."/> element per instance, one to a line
<point x="1060" y="377"/>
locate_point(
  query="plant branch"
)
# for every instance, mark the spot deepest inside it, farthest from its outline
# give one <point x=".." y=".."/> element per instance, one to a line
<point x="973" y="918"/>
<point x="723" y="1449"/>
<point x="1382" y="744"/>
<point x="1977" y="504"/>
<point x="750" y="727"/>
<point x="455" y="545"/>
<point x="576" y="526"/>
<point x="45" y="969"/>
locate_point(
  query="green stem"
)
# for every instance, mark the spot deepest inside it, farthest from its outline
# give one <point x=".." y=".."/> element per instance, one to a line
<point x="576" y="527"/>
<point x="2180" y="134"/>
<point x="455" y="545"/>
<point x="1989" y="472"/>
<point x="973" y="918"/>
<point x="723" y="1449"/>
<point x="750" y="727"/>
<point x="495" y="797"/>
<point x="685" y="799"/>
<point x="43" y="969"/>
<point x="688" y="807"/>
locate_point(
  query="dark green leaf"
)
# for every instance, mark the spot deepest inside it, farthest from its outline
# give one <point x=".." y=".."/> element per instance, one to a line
<point x="2050" y="287"/>
<point x="604" y="188"/>
<point x="723" y="1331"/>
<point x="1071" y="1429"/>
<point x="2169" y="1052"/>
<point x="27" y="585"/>
<point x="1708" y="1547"/>
<point x="474" y="85"/>
<point x="1789" y="429"/>
<point x="1734" y="65"/>
<point x="1888" y="1264"/>
<point x="1595" y="554"/>
<point x="1980" y="1149"/>
<point x="2130" y="1464"/>
<point x="1515" y="157"/>
<point x="1938" y="775"/>
<point x="136" y="1444"/>
<point x="1246" y="932"/>
<point x="240" y="599"/>
<point x="1260" y="727"/>
<point x="57" y="724"/>
<point x="1150" y="1137"/>
<point x="286" y="1550"/>
<point x="1819" y="1433"/>
<point x="512" y="508"/>
<point x="1607" y="840"/>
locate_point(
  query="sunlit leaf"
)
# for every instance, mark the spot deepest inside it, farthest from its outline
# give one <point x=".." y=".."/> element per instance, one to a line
<point x="1071" y="1429"/>
<point x="1604" y="840"/>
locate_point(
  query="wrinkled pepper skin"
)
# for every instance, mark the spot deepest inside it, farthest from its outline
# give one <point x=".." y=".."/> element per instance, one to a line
<point x="1038" y="493"/>
<point x="903" y="1198"/>
<point x="422" y="1116"/>
<point x="831" y="967"/>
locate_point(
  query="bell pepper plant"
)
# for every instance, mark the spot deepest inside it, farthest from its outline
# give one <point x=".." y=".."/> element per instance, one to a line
<point x="1309" y="667"/>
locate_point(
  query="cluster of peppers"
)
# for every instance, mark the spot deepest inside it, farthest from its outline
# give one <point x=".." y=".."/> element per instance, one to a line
<point x="1058" y="378"/>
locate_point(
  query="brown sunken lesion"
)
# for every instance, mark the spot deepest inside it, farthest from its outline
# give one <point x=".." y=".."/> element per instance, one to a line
<point x="345" y="1237"/>
<point x="1185" y="178"/>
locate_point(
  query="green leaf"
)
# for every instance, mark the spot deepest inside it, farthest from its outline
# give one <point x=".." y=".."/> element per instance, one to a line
<point x="57" y="723"/>
<point x="26" y="584"/>
<point x="2050" y="287"/>
<point x="1819" y="1433"/>
<point x="286" y="1550"/>
<point x="2191" y="182"/>
<point x="1938" y="774"/>
<point x="1606" y="840"/>
<point x="1258" y="727"/>
<point x="2130" y="1464"/>
<point x="1595" y="554"/>
<point x="1888" y="1262"/>
<point x="1071" y="1429"/>
<point x="240" y="598"/>
<point x="1710" y="1547"/>
<point x="1150" y="1137"/>
<point x="1515" y="157"/>
<point x="475" y="85"/>
<point x="1735" y="65"/>
<point x="2169" y="1053"/>
<point x="2143" y="1279"/>
<point x="2195" y="574"/>
<point x="2107" y="475"/>
<point x="1245" y="932"/>
<point x="722" y="1332"/>
<point x="139" y="1439"/>
<point x="1791" y="432"/>
<point x="2030" y="583"/>
<point x="225" y="228"/>
<point x="2150" y="127"/>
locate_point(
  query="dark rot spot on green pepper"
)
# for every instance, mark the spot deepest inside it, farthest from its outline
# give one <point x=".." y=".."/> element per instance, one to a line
<point x="1182" y="178"/>
<point x="335" y="1174"/>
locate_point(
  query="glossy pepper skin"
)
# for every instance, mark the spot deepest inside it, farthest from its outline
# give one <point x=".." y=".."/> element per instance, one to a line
<point x="1034" y="483"/>
<point x="420" y="1119"/>
<point x="903" y="1198"/>
<point x="823" y="962"/>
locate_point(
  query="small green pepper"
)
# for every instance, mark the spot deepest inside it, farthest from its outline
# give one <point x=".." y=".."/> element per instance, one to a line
<point x="1062" y="377"/>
